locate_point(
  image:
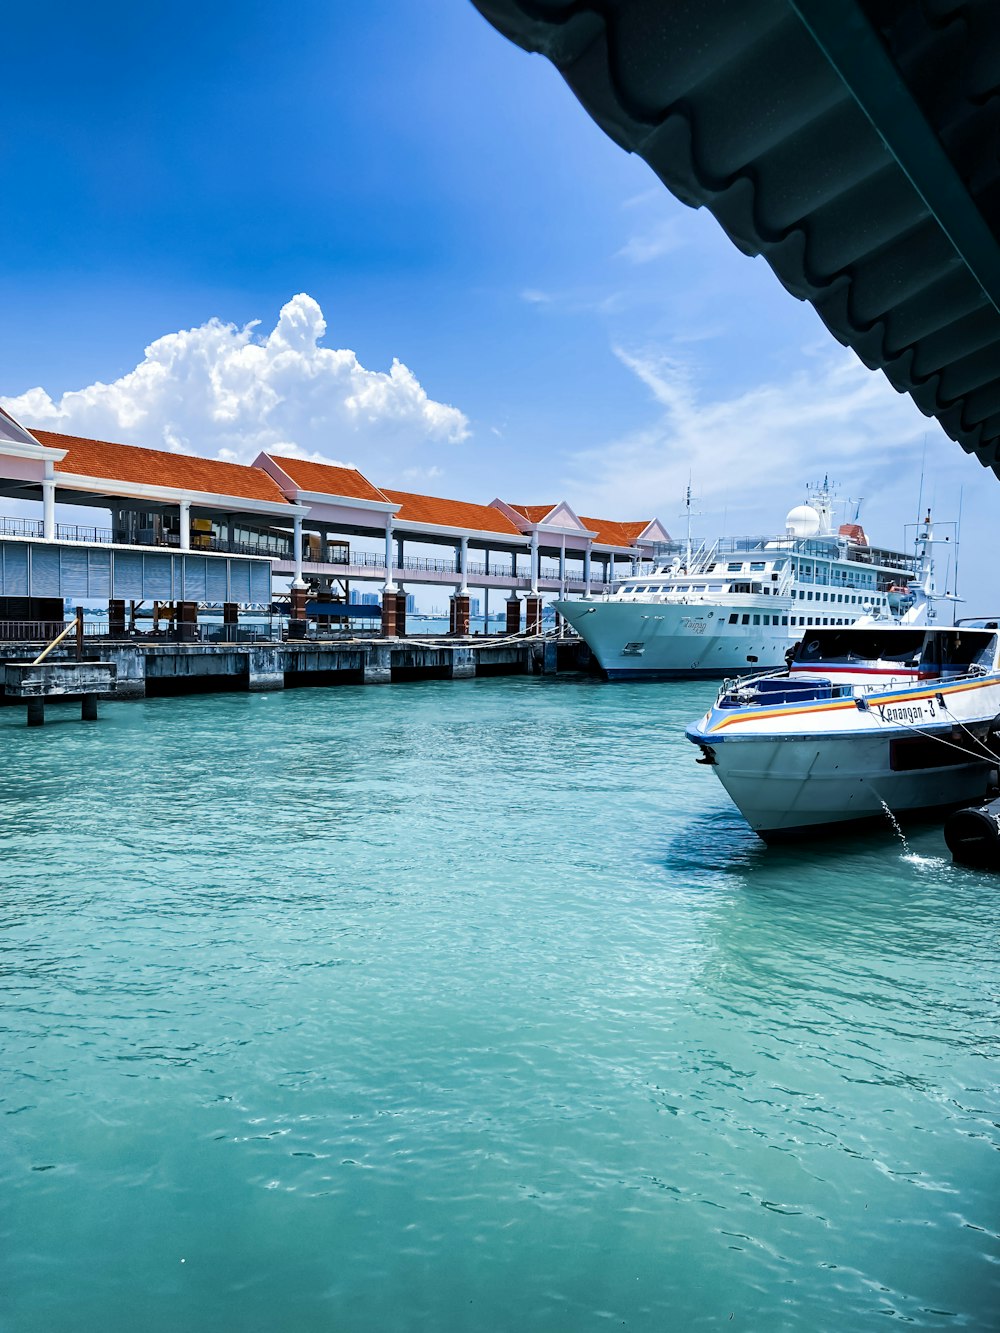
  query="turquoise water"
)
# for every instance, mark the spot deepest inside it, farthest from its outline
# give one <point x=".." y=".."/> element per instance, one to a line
<point x="475" y="1006"/>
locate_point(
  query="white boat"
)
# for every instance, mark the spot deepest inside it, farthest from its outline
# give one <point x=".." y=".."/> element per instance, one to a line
<point x="864" y="721"/>
<point x="739" y="604"/>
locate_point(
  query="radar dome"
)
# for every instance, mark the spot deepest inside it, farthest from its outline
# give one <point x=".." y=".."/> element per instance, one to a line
<point x="802" y="521"/>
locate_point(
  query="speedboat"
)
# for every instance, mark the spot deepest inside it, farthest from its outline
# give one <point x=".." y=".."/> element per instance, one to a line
<point x="863" y="721"/>
<point x="738" y="604"/>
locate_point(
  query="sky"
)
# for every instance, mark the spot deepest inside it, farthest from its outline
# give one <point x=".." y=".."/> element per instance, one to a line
<point x="382" y="235"/>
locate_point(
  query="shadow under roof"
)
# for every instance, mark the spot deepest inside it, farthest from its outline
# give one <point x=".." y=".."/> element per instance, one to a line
<point x="855" y="144"/>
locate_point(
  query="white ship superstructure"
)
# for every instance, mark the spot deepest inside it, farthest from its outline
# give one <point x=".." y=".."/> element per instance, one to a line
<point x="739" y="604"/>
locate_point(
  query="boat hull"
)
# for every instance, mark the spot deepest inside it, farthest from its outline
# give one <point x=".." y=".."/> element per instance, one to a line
<point x="790" y="787"/>
<point x="632" y="640"/>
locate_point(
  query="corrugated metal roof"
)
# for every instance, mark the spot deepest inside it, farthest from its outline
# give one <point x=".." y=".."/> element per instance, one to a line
<point x="855" y="144"/>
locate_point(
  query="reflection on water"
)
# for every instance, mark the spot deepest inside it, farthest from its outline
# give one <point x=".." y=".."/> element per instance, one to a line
<point x="475" y="1006"/>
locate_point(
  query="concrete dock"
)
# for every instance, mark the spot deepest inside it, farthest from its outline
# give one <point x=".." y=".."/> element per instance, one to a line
<point x="147" y="669"/>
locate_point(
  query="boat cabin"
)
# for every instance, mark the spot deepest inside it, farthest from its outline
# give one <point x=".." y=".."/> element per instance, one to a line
<point x="896" y="652"/>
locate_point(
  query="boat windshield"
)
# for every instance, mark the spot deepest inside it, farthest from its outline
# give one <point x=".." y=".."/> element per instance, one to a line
<point x="861" y="645"/>
<point x="929" y="650"/>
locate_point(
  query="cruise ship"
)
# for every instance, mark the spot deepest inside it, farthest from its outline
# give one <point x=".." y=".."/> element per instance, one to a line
<point x="740" y="604"/>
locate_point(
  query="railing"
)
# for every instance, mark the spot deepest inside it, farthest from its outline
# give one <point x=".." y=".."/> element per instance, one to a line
<point x="42" y="631"/>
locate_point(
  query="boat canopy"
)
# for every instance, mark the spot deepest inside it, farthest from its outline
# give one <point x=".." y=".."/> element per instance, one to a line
<point x="926" y="649"/>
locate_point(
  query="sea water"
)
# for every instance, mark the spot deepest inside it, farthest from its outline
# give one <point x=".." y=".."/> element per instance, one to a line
<point x="475" y="1006"/>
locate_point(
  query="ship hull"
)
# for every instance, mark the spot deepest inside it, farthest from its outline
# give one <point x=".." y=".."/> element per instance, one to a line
<point x="635" y="640"/>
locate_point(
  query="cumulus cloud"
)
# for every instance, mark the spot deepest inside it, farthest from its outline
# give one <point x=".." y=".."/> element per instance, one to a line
<point x="229" y="392"/>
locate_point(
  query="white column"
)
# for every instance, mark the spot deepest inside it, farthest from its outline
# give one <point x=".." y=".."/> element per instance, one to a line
<point x="298" y="581"/>
<point x="586" y="569"/>
<point x="534" y="562"/>
<point x="185" y="508"/>
<point x="486" y="609"/>
<point x="463" y="555"/>
<point x="390" y="583"/>
<point x="49" y="506"/>
<point x="611" y="569"/>
<point x="562" y="567"/>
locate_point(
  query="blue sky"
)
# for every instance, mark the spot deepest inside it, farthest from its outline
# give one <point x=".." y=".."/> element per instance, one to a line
<point x="568" y="329"/>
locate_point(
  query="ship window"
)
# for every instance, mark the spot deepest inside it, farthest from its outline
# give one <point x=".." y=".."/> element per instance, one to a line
<point x="630" y="588"/>
<point x="826" y="597"/>
<point x="784" y="620"/>
<point x="735" y="567"/>
<point x="809" y="597"/>
<point x="733" y="619"/>
<point x="756" y="620"/>
<point x="756" y="565"/>
<point x="746" y="620"/>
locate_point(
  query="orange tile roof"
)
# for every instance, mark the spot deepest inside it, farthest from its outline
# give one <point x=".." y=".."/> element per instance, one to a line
<point x="610" y="533"/>
<point x="329" y="479"/>
<point x="155" y="467"/>
<point x="533" y="513"/>
<point x="436" y="512"/>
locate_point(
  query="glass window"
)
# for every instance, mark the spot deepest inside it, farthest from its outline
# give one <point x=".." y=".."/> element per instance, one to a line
<point x="756" y="620"/>
<point x="734" y="567"/>
<point x="809" y="597"/>
<point x="733" y="618"/>
<point x="757" y="564"/>
<point x="746" y="620"/>
<point x="784" y="620"/>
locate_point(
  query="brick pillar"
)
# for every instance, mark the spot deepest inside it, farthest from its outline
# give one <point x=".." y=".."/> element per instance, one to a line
<point x="298" y="622"/>
<point x="187" y="621"/>
<point x="116" y="618"/>
<point x="401" y="614"/>
<point x="389" y="605"/>
<point x="513" y="614"/>
<point x="459" y="617"/>
<point x="533" y="612"/>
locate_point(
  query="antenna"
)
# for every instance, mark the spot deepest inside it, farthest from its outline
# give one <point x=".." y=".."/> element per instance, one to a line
<point x="687" y="514"/>
<point x="958" y="538"/>
<point x="920" y="492"/>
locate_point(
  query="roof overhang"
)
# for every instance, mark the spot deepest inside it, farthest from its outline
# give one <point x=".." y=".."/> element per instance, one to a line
<point x="852" y="143"/>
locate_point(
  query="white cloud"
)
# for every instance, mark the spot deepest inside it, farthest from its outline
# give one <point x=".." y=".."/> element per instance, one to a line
<point x="224" y="391"/>
<point x="750" y="455"/>
<point x="661" y="239"/>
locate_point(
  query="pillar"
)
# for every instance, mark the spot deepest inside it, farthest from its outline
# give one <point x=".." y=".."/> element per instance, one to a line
<point x="389" y="605"/>
<point x="185" y="511"/>
<point x="586" y="570"/>
<point x="390" y="585"/>
<point x="534" y="563"/>
<point x="562" y="566"/>
<point x="187" y="621"/>
<point x="513" y="614"/>
<point x="297" y="549"/>
<point x="298" y="622"/>
<point x="400" y="613"/>
<point x="49" y="506"/>
<point x="116" y="618"/>
<point x="611" y="571"/>
<point x="463" y="556"/>
<point x="459" y="613"/>
<point x="533" y="614"/>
